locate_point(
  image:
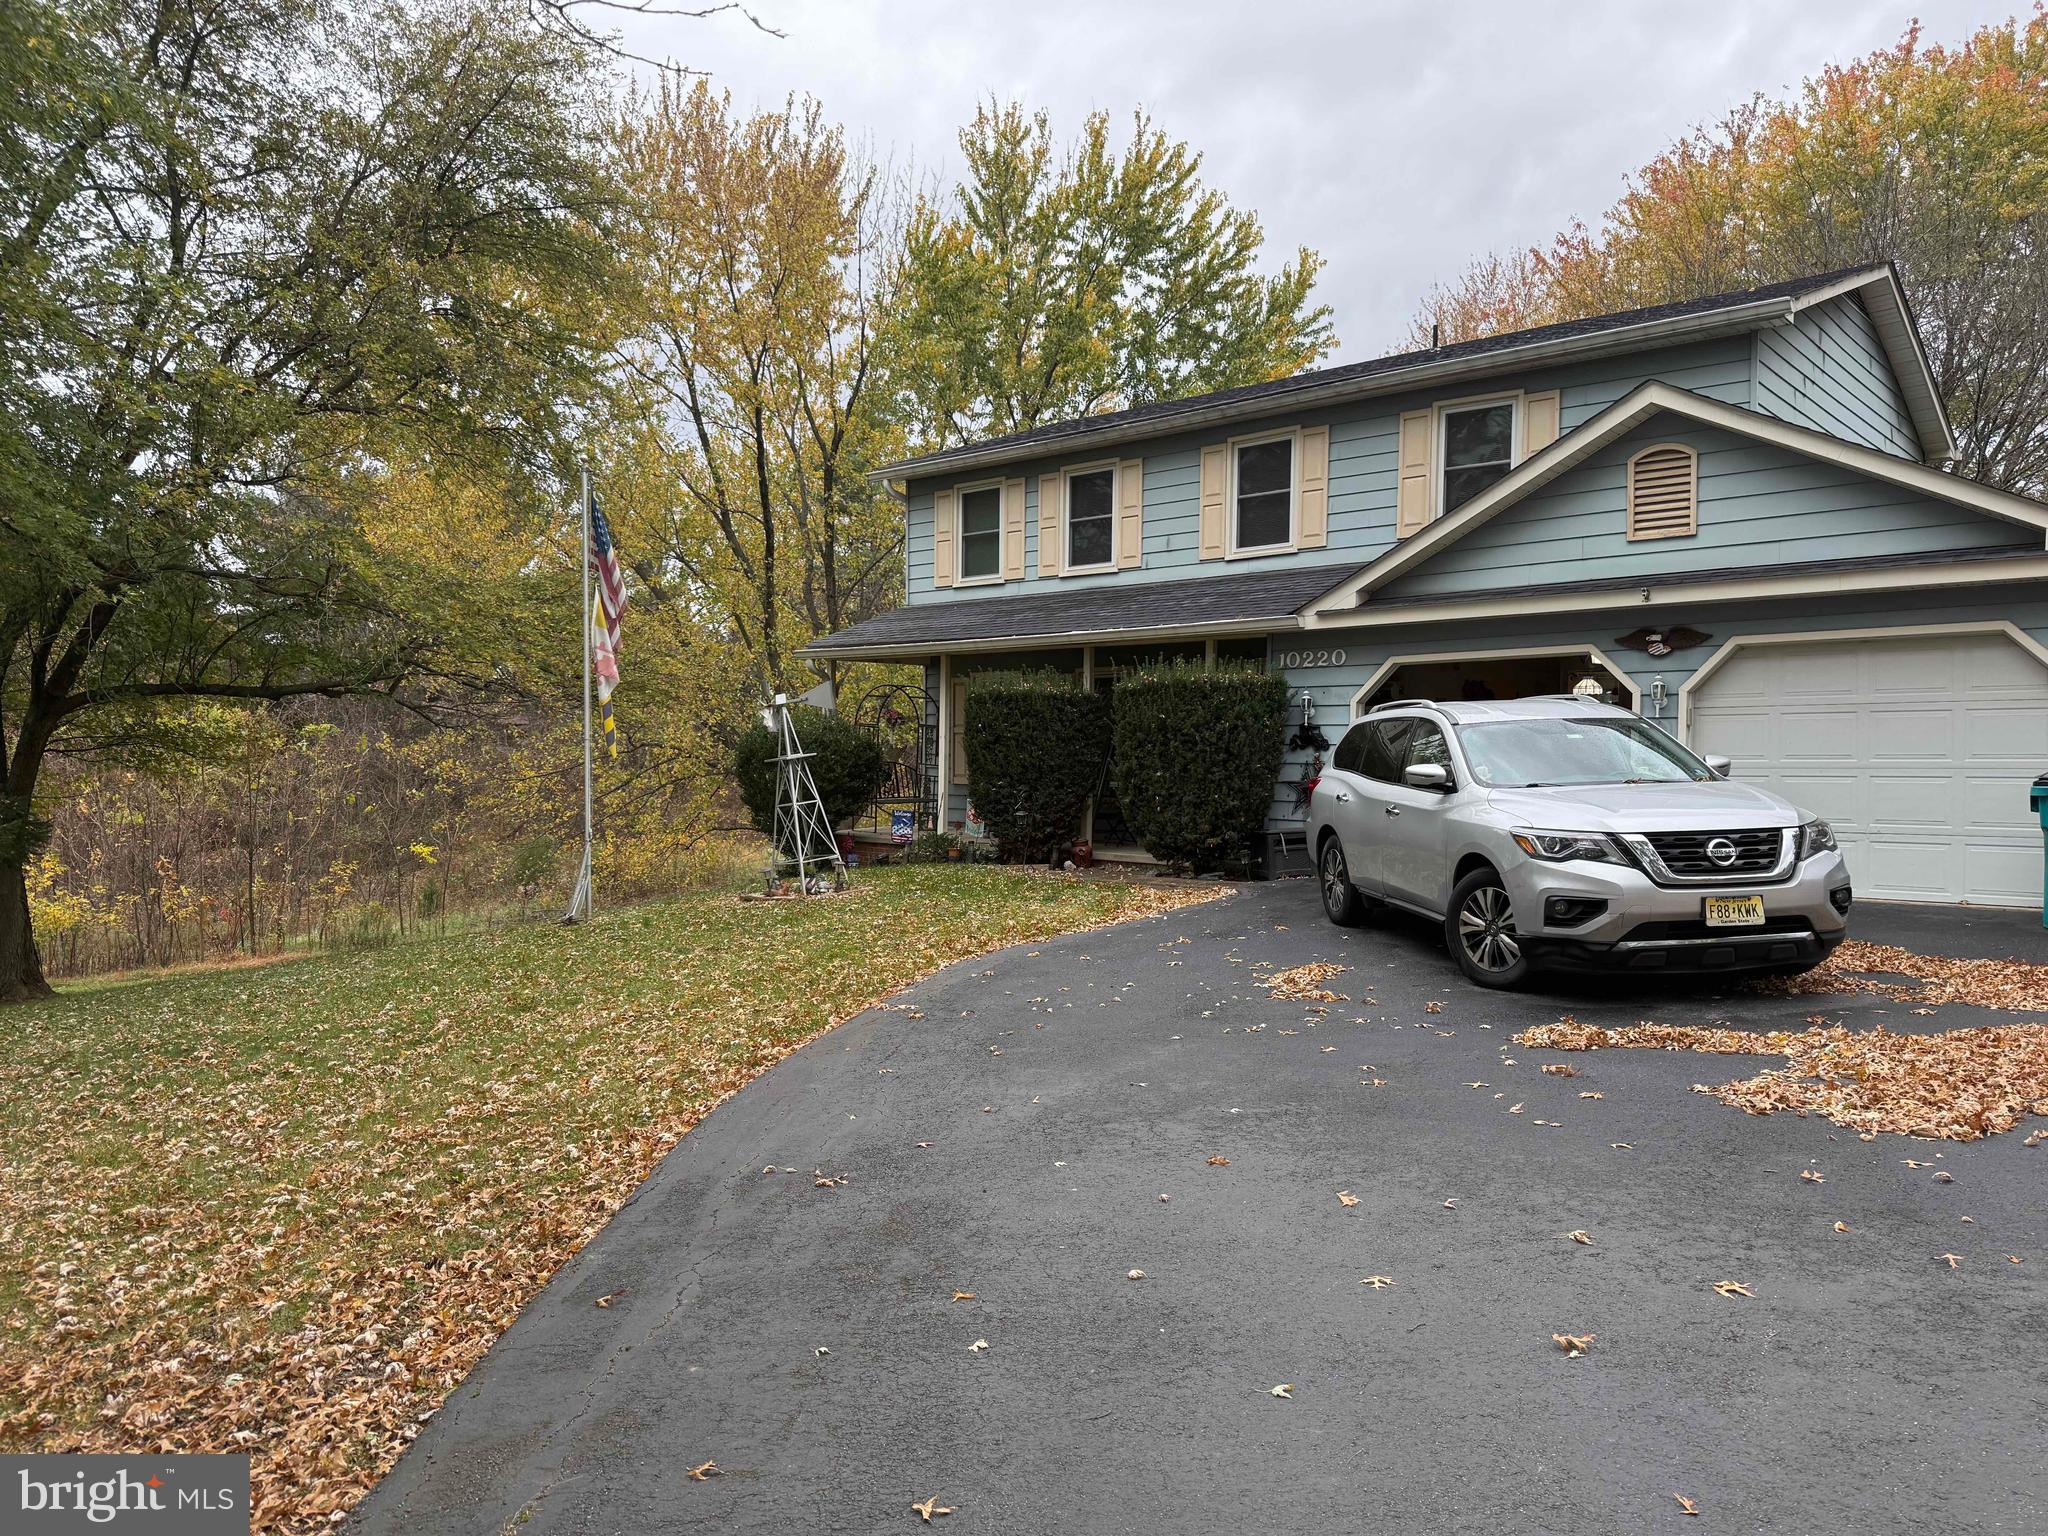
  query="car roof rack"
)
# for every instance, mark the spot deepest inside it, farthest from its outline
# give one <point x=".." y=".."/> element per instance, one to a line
<point x="1405" y="704"/>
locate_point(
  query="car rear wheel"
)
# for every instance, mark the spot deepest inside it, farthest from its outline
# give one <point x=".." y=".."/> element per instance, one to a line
<point x="1342" y="904"/>
<point x="1480" y="930"/>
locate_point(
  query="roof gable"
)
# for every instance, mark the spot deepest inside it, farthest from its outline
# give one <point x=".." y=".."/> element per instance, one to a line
<point x="1563" y="510"/>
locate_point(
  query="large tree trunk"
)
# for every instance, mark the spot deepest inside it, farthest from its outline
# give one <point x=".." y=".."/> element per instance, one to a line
<point x="21" y="967"/>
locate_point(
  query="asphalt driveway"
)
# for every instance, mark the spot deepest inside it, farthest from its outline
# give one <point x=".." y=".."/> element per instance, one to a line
<point x="808" y="1339"/>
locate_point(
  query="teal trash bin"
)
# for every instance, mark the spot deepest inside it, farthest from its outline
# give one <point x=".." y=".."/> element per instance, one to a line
<point x="2039" y="795"/>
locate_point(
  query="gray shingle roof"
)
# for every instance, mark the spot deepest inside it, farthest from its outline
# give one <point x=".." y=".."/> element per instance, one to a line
<point x="1204" y="602"/>
<point x="1276" y="390"/>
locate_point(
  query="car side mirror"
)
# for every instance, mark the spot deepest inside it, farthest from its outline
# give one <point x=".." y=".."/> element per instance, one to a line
<point x="1722" y="767"/>
<point x="1427" y="775"/>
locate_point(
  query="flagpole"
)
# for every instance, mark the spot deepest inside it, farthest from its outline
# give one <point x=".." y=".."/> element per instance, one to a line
<point x="588" y="840"/>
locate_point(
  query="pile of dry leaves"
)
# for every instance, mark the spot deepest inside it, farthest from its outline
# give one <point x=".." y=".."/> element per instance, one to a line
<point x="285" y="1210"/>
<point x="1304" y="983"/>
<point x="1959" y="1085"/>
<point x="1937" y="979"/>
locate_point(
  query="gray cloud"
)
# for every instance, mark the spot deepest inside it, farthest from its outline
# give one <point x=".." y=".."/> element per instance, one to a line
<point x="1398" y="139"/>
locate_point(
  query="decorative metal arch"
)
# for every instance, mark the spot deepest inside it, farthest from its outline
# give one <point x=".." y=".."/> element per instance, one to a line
<point x="906" y="718"/>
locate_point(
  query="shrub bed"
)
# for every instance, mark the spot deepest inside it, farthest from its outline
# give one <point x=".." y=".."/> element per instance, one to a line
<point x="1035" y="746"/>
<point x="1197" y="755"/>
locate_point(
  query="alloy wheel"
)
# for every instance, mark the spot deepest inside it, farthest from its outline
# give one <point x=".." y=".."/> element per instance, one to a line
<point x="1336" y="879"/>
<point x="1486" y="927"/>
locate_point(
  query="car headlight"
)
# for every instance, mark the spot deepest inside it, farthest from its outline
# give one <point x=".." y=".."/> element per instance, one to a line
<point x="1556" y="847"/>
<point x="1816" y="836"/>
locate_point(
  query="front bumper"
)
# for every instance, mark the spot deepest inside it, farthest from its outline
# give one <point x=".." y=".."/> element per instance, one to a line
<point x="1643" y="926"/>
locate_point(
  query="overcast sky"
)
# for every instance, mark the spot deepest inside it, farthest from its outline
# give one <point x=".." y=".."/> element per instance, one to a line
<point x="1398" y="139"/>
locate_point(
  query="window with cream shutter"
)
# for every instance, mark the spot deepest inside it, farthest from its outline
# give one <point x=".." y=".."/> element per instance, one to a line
<point x="1314" y="532"/>
<point x="1049" y="496"/>
<point x="944" y="514"/>
<point x="1130" y="514"/>
<point x="1539" y="421"/>
<point x="1412" y="496"/>
<point x="1013" y="530"/>
<point x="1663" y="492"/>
<point x="1215" y="492"/>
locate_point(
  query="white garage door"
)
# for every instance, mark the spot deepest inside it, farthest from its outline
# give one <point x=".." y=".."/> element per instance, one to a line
<point x="1919" y="751"/>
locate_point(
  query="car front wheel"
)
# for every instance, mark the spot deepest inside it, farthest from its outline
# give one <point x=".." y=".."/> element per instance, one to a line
<point x="1342" y="904"/>
<point x="1480" y="930"/>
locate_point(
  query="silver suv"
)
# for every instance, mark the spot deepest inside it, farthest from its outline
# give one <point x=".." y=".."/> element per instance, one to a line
<point x="1564" y="833"/>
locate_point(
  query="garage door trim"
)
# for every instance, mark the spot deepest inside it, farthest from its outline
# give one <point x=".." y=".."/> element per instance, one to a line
<point x="1393" y="664"/>
<point x="1735" y="643"/>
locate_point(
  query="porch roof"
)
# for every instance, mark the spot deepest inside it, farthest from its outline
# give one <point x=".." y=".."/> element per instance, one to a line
<point x="1245" y="603"/>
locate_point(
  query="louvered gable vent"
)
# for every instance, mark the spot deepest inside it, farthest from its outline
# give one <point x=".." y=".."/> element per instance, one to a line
<point x="1663" y="492"/>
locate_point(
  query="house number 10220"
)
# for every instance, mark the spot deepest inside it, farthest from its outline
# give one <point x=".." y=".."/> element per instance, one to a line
<point x="1291" y="660"/>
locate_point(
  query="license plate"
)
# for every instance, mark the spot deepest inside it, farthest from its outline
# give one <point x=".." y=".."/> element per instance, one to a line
<point x="1735" y="911"/>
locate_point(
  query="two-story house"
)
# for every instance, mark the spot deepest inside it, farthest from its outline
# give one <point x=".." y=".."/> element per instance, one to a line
<point x="1722" y="513"/>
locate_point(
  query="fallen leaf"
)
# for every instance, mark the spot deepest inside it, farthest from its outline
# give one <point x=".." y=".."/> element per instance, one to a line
<point x="977" y="1346"/>
<point x="1377" y="1282"/>
<point x="1514" y="1109"/>
<point x="1732" y="1288"/>
<point x="963" y="1296"/>
<point x="927" y="1143"/>
<point x="2013" y="1258"/>
<point x="704" y="1471"/>
<point x="821" y="1351"/>
<point x="1811" y="1177"/>
<point x="1944" y="1177"/>
<point x="1954" y="1260"/>
<point x="1841" y="1226"/>
<point x="1685" y="1505"/>
<point x="1346" y="1198"/>
<point x="1573" y="1344"/>
<point x="1136" y="1274"/>
<point x="1450" y="1205"/>
<point x="1591" y="1095"/>
<point x="1579" y="1236"/>
<point x="1622" y="1146"/>
<point x="1560" y="1069"/>
<point x="1164" y="1199"/>
<point x="1285" y="1389"/>
<point x="605" y="1301"/>
<point x="1219" y="1162"/>
<point x="930" y="1507"/>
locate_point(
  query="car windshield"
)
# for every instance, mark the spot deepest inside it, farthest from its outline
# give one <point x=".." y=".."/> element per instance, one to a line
<point x="1554" y="751"/>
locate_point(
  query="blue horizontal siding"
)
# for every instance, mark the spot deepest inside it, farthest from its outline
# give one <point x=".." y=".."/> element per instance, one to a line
<point x="1363" y="445"/>
<point x="1827" y="370"/>
<point x="1758" y="505"/>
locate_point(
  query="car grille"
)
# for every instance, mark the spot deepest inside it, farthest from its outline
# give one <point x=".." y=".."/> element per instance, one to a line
<point x="1685" y="853"/>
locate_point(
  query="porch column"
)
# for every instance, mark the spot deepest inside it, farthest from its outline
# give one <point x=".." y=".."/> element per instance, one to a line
<point x="943" y="807"/>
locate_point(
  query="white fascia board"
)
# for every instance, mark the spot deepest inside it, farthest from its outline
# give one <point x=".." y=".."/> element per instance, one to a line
<point x="1677" y="591"/>
<point x="1885" y="299"/>
<point x="1630" y="411"/>
<point x="1062" y="640"/>
<point x="1310" y="394"/>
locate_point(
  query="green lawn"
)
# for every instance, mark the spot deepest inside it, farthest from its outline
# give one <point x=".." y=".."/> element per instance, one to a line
<point x="283" y="1209"/>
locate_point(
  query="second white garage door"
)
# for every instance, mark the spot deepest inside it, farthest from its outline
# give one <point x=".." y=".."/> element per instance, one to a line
<point x="1919" y="751"/>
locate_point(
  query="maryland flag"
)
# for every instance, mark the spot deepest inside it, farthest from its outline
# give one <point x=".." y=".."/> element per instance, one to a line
<point x="608" y="604"/>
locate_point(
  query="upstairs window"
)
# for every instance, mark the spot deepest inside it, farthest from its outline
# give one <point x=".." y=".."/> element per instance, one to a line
<point x="1477" y="451"/>
<point x="1091" y="519"/>
<point x="1262" y="506"/>
<point x="981" y="534"/>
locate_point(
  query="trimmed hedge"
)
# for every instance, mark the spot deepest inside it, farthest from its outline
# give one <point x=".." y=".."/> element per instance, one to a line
<point x="848" y="765"/>
<point x="1197" y="755"/>
<point x="1035" y="746"/>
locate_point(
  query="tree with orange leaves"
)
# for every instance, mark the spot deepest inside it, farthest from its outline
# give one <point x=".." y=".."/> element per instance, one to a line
<point x="1933" y="157"/>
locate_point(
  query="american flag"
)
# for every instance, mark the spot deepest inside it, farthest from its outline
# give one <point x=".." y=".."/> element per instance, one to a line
<point x="607" y="606"/>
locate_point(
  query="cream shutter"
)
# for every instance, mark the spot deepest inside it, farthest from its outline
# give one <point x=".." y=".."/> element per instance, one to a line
<point x="1130" y="514"/>
<point x="1539" y="422"/>
<point x="1013" y="530"/>
<point x="959" y="731"/>
<point x="1215" y="486"/>
<point x="1049" y="495"/>
<point x="1412" y="497"/>
<point x="1663" y="492"/>
<point x="945" y="517"/>
<point x="1315" y="488"/>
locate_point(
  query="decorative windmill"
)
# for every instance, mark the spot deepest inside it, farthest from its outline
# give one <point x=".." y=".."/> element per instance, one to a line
<point x="803" y="833"/>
